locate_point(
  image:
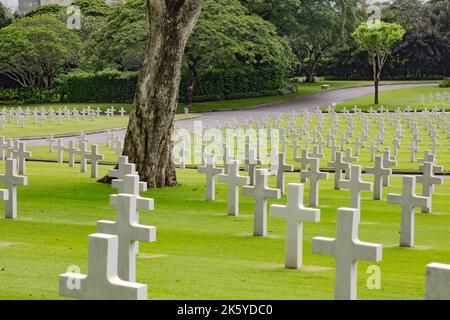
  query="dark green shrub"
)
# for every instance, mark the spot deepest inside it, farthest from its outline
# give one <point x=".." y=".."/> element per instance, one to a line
<point x="106" y="86"/>
<point x="27" y="96"/>
<point x="445" y="83"/>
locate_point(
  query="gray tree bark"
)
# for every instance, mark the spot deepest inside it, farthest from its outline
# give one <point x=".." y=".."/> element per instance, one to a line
<point x="148" y="139"/>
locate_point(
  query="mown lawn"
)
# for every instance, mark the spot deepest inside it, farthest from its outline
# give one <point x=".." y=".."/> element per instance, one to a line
<point x="201" y="253"/>
<point x="400" y="98"/>
<point x="31" y="129"/>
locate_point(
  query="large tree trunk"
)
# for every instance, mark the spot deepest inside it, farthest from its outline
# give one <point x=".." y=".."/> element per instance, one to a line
<point x="148" y="139"/>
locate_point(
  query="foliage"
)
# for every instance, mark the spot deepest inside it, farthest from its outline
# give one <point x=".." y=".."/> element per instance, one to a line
<point x="53" y="9"/>
<point x="445" y="83"/>
<point x="314" y="28"/>
<point x="226" y="36"/>
<point x="236" y="83"/>
<point x="34" y="50"/>
<point x="379" y="42"/>
<point x="96" y="8"/>
<point x="213" y="84"/>
<point x="27" y="95"/>
<point x="119" y="41"/>
<point x="422" y="54"/>
<point x="105" y="86"/>
<point x="426" y="45"/>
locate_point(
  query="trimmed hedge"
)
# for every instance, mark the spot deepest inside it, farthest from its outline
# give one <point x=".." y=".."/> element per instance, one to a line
<point x="25" y="96"/>
<point x="245" y="82"/>
<point x="114" y="86"/>
<point x="106" y="86"/>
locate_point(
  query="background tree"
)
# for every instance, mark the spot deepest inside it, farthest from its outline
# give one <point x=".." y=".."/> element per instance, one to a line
<point x="53" y="9"/>
<point x="313" y="27"/>
<point x="34" y="50"/>
<point x="426" y="44"/>
<point x="227" y="36"/>
<point x="148" y="140"/>
<point x="96" y="8"/>
<point x="120" y="40"/>
<point x="379" y="43"/>
<point x="322" y="25"/>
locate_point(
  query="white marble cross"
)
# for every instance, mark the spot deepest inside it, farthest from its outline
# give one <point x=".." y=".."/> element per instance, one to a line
<point x="346" y="249"/>
<point x="21" y="155"/>
<point x="51" y="143"/>
<point x="117" y="173"/>
<point x="234" y="180"/>
<point x="253" y="162"/>
<point x="295" y="214"/>
<point x="72" y="150"/>
<point x="355" y="185"/>
<point x="428" y="180"/>
<point x="387" y="163"/>
<point x="94" y="156"/>
<point x="82" y="138"/>
<point x="281" y="169"/>
<point x="339" y="166"/>
<point x="295" y="146"/>
<point x="83" y="156"/>
<point x="102" y="282"/>
<point x="373" y="149"/>
<point x="124" y="168"/>
<point x="413" y="150"/>
<point x="11" y="180"/>
<point x="314" y="175"/>
<point x="60" y="150"/>
<point x="304" y="160"/>
<point x="358" y="145"/>
<point x="261" y="192"/>
<point x="211" y="171"/>
<point x="437" y="281"/>
<point x="127" y="225"/>
<point x="408" y="200"/>
<point x="316" y="153"/>
<point x="378" y="171"/>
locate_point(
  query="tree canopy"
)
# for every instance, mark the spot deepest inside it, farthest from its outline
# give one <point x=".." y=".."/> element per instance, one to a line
<point x="33" y="50"/>
<point x="379" y="42"/>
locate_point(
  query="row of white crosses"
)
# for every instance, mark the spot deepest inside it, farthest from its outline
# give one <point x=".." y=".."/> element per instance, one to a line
<point x="346" y="248"/>
<point x="76" y="148"/>
<point x="21" y="116"/>
<point x="15" y="154"/>
<point x="113" y="249"/>
<point x="114" y="141"/>
<point x="15" y="149"/>
<point x="347" y="231"/>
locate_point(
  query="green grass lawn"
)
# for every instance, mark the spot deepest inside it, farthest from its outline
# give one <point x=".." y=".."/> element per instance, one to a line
<point x="400" y="98"/>
<point x="69" y="126"/>
<point x="201" y="253"/>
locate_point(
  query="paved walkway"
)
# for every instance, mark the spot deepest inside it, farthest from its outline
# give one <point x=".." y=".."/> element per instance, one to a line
<point x="302" y="103"/>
